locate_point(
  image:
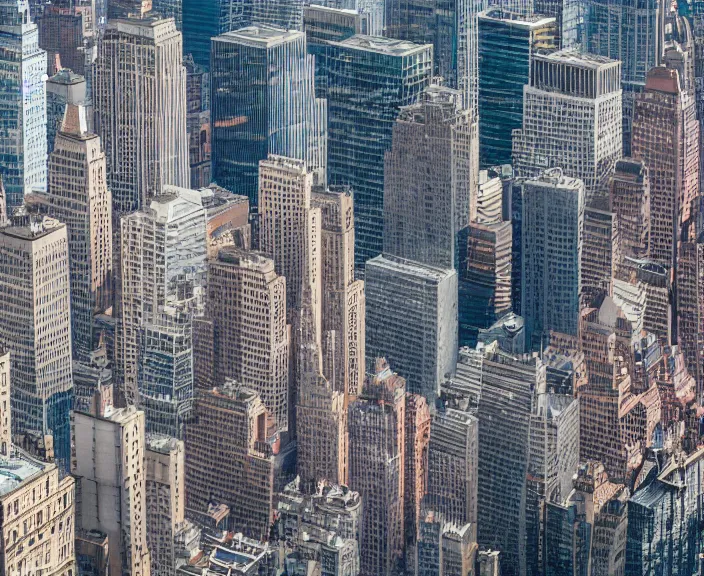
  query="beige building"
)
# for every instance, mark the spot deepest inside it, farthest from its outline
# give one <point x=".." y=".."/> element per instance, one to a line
<point x="343" y="301"/>
<point x="139" y="94"/>
<point x="5" y="410"/>
<point x="37" y="522"/>
<point x="166" y="499"/>
<point x="229" y="461"/>
<point x="247" y="306"/>
<point x="35" y="327"/>
<point x="112" y="483"/>
<point x="79" y="197"/>
<point x="290" y="228"/>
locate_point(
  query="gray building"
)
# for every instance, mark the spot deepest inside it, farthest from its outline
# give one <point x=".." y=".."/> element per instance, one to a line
<point x="62" y="88"/>
<point x="571" y="119"/>
<point x="22" y="104"/>
<point x="430" y="174"/>
<point x="369" y="80"/>
<point x="262" y="102"/>
<point x="553" y="221"/>
<point x="411" y="320"/>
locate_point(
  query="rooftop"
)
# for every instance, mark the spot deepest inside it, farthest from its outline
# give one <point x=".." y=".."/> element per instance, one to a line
<point x="161" y="443"/>
<point x="18" y="469"/>
<point x="260" y="35"/>
<point x="514" y="19"/>
<point x="404" y="267"/>
<point x="576" y="58"/>
<point x="383" y="45"/>
<point x="66" y="76"/>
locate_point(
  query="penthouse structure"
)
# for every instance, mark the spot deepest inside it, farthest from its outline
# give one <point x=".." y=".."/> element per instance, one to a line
<point x="265" y="74"/>
<point x="139" y="96"/>
<point x="551" y="255"/>
<point x="361" y="122"/>
<point x="35" y="327"/>
<point x="630" y="200"/>
<point x="666" y="139"/>
<point x="163" y="281"/>
<point x="230" y="421"/>
<point x="112" y="484"/>
<point x="23" y="164"/>
<point x="571" y="119"/>
<point x="62" y="89"/>
<point x="36" y="501"/>
<point x="412" y="318"/>
<point x="376" y="468"/>
<point x="507" y="41"/>
<point x="434" y="147"/>
<point x="343" y="299"/>
<point x="251" y="343"/>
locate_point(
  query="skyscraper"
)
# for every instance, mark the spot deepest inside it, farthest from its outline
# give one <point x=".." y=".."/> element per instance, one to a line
<point x="412" y="318"/>
<point x="23" y="105"/>
<point x="600" y="252"/>
<point x="666" y="139"/>
<point x="629" y="31"/>
<point x="229" y="460"/>
<point x="376" y="468"/>
<point x="369" y="80"/>
<point x="507" y="41"/>
<point x="163" y="283"/>
<point x="451" y="26"/>
<point x="112" y="484"/>
<point x="247" y="305"/>
<point x="430" y="174"/>
<point x="139" y="95"/>
<point x="63" y="88"/>
<point x="35" y="327"/>
<point x="571" y="119"/>
<point x="553" y="222"/>
<point x="79" y="197"/>
<point x="263" y="102"/>
<point x="290" y="229"/>
<point x="343" y="300"/>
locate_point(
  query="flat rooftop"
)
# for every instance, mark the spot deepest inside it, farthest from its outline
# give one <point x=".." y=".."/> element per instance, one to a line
<point x="260" y="35"/>
<point x="498" y="14"/>
<point x="382" y="45"/>
<point x="575" y="58"/>
<point x="17" y="470"/>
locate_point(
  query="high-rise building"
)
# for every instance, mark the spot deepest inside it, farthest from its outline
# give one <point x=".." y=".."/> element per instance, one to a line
<point x="666" y="139"/>
<point x="112" y="484"/>
<point x="35" y="327"/>
<point x="39" y="507"/>
<point x="690" y="304"/>
<point x="23" y="112"/>
<point x="505" y="404"/>
<point x="452" y="467"/>
<point x="445" y="548"/>
<point x="571" y="119"/>
<point x="165" y="476"/>
<point x="343" y="300"/>
<point x="247" y="306"/>
<point x="5" y="408"/>
<point x="507" y="41"/>
<point x="67" y="33"/>
<point x="451" y="26"/>
<point x="290" y="229"/>
<point x="600" y="252"/>
<point x="376" y="423"/>
<point x="321" y="411"/>
<point x="632" y="32"/>
<point x="412" y="319"/>
<point x="63" y="88"/>
<point x="430" y="175"/>
<point x="263" y="102"/>
<point x="369" y="80"/>
<point x="163" y="282"/>
<point x="228" y="459"/>
<point x="198" y="122"/>
<point x="415" y="482"/>
<point x="139" y="95"/>
<point x="630" y="201"/>
<point x="78" y="196"/>
<point x="553" y="223"/>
